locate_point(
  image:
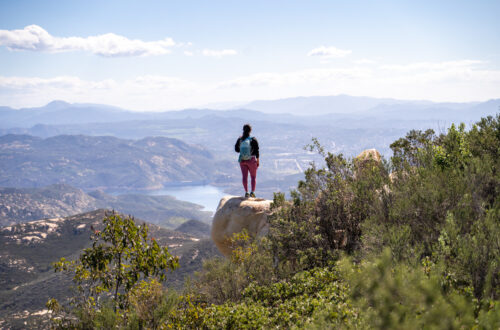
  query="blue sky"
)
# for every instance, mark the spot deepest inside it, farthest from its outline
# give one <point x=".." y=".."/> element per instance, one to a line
<point x="159" y="55"/>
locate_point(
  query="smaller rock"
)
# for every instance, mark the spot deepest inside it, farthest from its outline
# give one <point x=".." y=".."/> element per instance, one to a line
<point x="369" y="154"/>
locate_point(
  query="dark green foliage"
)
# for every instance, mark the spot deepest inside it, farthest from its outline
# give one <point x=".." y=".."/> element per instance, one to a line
<point x="214" y="285"/>
<point x="450" y="203"/>
<point x="399" y="296"/>
<point x="409" y="151"/>
<point x="284" y="304"/>
<point x="473" y="256"/>
<point x="150" y="305"/>
<point x="121" y="256"/>
<point x="327" y="211"/>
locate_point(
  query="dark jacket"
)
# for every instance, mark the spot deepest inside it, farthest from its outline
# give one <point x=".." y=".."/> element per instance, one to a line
<point x="253" y="144"/>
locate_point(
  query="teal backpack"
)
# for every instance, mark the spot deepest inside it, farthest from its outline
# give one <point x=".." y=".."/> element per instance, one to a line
<point x="245" y="149"/>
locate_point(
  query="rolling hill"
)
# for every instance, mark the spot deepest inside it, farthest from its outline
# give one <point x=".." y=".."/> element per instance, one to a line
<point x="19" y="205"/>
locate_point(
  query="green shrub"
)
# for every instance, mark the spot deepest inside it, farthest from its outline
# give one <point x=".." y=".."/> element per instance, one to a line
<point x="284" y="304"/>
<point x="107" y="273"/>
<point x="224" y="279"/>
<point x="326" y="213"/>
<point x="150" y="305"/>
<point x="473" y="256"/>
<point x="398" y="296"/>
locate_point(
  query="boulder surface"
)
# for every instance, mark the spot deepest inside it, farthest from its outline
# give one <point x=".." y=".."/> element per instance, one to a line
<point x="369" y="154"/>
<point x="235" y="214"/>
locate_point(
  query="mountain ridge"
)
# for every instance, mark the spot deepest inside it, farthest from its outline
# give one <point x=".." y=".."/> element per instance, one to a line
<point x="60" y="112"/>
<point x="102" y="162"/>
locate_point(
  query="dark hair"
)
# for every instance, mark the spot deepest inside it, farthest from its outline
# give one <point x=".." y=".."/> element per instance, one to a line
<point x="246" y="130"/>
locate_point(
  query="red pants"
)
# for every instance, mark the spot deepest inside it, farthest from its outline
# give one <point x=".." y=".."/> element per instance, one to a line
<point x="249" y="166"/>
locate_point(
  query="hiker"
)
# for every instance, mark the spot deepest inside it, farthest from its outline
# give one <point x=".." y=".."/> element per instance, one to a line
<point x="248" y="147"/>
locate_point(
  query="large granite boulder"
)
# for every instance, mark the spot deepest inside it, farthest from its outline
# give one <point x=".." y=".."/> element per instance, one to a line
<point x="235" y="214"/>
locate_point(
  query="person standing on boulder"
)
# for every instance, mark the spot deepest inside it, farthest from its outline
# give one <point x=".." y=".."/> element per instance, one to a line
<point x="248" y="147"/>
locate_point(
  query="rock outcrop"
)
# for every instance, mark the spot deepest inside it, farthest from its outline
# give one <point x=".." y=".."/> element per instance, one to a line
<point x="369" y="154"/>
<point x="366" y="162"/>
<point x="235" y="214"/>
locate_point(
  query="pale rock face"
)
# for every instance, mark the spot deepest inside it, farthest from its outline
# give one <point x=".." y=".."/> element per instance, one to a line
<point x="234" y="214"/>
<point x="366" y="159"/>
<point x="369" y="154"/>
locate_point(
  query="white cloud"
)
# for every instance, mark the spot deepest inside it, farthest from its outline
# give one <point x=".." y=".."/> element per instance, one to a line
<point x="311" y="76"/>
<point x="188" y="53"/>
<point x="329" y="52"/>
<point x="35" y="38"/>
<point x="34" y="83"/>
<point x="151" y="84"/>
<point x="140" y="93"/>
<point x="364" y="61"/>
<point x="463" y="80"/>
<point x="137" y="84"/>
<point x="433" y="66"/>
<point x="219" y="53"/>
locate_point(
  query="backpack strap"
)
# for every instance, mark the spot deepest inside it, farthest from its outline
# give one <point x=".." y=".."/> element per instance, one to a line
<point x="249" y="137"/>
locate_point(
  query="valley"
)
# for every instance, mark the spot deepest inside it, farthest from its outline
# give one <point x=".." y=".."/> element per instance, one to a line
<point x="99" y="147"/>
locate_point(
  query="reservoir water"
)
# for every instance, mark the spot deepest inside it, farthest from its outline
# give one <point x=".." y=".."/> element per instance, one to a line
<point x="206" y="195"/>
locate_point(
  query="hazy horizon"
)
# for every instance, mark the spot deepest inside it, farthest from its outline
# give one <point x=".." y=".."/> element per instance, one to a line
<point x="229" y="105"/>
<point x="157" y="55"/>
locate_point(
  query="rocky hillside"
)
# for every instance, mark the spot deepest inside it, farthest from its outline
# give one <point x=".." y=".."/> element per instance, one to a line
<point x="59" y="200"/>
<point x="101" y="162"/>
<point x="194" y="227"/>
<point x="27" y="251"/>
<point x="25" y="204"/>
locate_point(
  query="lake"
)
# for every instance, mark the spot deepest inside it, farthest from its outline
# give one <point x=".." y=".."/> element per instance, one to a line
<point x="205" y="195"/>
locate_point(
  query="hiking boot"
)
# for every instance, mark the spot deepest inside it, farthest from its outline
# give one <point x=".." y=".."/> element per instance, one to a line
<point x="247" y="195"/>
<point x="252" y="194"/>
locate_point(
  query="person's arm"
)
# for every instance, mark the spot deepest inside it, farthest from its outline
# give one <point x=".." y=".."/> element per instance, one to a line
<point x="237" y="145"/>
<point x="255" y="149"/>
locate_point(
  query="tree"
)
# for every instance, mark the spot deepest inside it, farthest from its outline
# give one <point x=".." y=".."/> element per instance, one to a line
<point x="121" y="255"/>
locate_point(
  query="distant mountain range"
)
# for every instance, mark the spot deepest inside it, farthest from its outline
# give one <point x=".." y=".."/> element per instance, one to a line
<point x="27" y="279"/>
<point x="346" y="104"/>
<point x="18" y="205"/>
<point x="63" y="113"/>
<point x="60" y="112"/>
